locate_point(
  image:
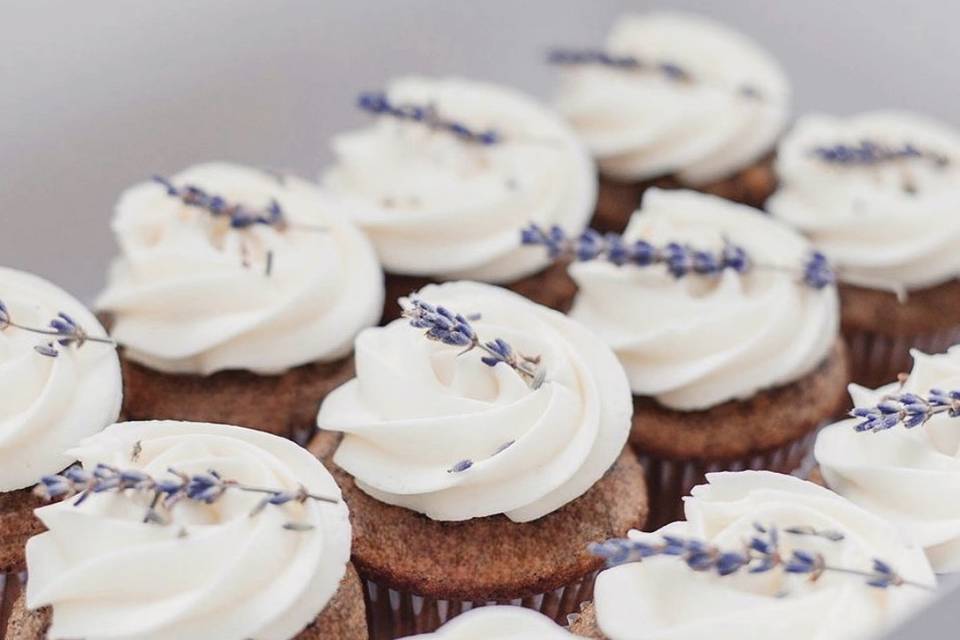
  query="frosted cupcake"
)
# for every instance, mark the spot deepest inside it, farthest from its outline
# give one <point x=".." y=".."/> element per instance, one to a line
<point x="188" y="530"/>
<point x="236" y="297"/>
<point x="878" y="193"/>
<point x="60" y="377"/>
<point x="479" y="453"/>
<point x="500" y="623"/>
<point x="759" y="555"/>
<point x="674" y="100"/>
<point x="726" y="323"/>
<point x="448" y="174"/>
<point x="908" y="469"/>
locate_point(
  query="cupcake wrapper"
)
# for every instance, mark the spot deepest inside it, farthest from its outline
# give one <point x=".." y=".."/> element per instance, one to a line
<point x="669" y="480"/>
<point x="11" y="586"/>
<point x="395" y="614"/>
<point x="877" y="359"/>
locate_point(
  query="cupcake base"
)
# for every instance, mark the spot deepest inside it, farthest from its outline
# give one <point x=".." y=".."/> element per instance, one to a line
<point x="616" y="201"/>
<point x="284" y="405"/>
<point x="17" y="525"/>
<point x="419" y="573"/>
<point x="342" y="619"/>
<point x="774" y="430"/>
<point x="880" y="329"/>
<point x="553" y="287"/>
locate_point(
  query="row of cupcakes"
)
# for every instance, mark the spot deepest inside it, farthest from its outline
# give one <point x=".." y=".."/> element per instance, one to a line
<point x="512" y="442"/>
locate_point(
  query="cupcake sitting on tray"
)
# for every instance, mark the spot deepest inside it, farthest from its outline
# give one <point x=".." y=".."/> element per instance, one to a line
<point x="236" y="297"/>
<point x="448" y="172"/>
<point x="190" y="531"/>
<point x="760" y="555"/>
<point x="674" y="100"/>
<point x="482" y="446"/>
<point x="878" y="193"/>
<point x="899" y="456"/>
<point x="726" y="322"/>
<point x="60" y="381"/>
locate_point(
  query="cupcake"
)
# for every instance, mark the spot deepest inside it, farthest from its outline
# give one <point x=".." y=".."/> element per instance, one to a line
<point x="479" y="454"/>
<point x="500" y="623"/>
<point x="448" y="174"/>
<point x="190" y="530"/>
<point x="60" y="377"/>
<point x="726" y="323"/>
<point x="908" y="470"/>
<point x="674" y="100"/>
<point x="878" y="194"/>
<point x="236" y="298"/>
<point x="760" y="555"/>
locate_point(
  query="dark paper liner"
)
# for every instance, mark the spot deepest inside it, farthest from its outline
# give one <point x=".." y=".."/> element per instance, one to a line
<point x="395" y="614"/>
<point x="877" y="359"/>
<point x="668" y="481"/>
<point x="11" y="585"/>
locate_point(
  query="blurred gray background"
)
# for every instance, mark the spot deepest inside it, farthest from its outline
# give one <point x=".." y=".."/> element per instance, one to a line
<point x="97" y="95"/>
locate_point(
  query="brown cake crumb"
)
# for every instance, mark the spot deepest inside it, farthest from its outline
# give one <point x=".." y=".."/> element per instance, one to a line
<point x="17" y="524"/>
<point x="490" y="558"/>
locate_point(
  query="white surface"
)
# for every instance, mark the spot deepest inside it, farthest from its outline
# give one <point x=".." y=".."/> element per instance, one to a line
<point x="97" y="95"/>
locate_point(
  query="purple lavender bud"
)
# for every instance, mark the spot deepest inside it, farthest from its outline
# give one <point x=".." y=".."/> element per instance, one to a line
<point x="47" y="350"/>
<point x="460" y="467"/>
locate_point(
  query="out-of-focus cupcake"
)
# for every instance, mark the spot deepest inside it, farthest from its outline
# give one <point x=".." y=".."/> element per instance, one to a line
<point x="674" y="100"/>
<point x="188" y="530"/>
<point x="480" y="476"/>
<point x="500" y="623"/>
<point x="878" y="193"/>
<point x="908" y="469"/>
<point x="726" y="323"/>
<point x="760" y="555"/>
<point x="60" y="383"/>
<point x="236" y="298"/>
<point x="448" y="174"/>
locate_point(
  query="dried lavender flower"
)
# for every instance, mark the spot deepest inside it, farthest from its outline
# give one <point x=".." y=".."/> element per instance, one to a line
<point x="760" y="553"/>
<point x="378" y="103"/>
<point x="869" y="153"/>
<point x="598" y="57"/>
<point x="679" y="259"/>
<point x="454" y="329"/>
<point x="205" y="488"/>
<point x="909" y="409"/>
<point x="67" y="331"/>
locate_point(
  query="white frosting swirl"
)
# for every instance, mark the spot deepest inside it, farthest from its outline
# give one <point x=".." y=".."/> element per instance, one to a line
<point x="697" y="341"/>
<point x="890" y="225"/>
<point x="661" y="598"/>
<point x="500" y="623"/>
<point x="49" y="404"/>
<point x="183" y="301"/>
<point x="641" y="124"/>
<point x="438" y="206"/>
<point x="911" y="477"/>
<point x="418" y="407"/>
<point x="214" y="572"/>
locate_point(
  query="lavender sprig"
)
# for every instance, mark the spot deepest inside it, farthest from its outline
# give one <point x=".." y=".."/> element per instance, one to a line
<point x="239" y="216"/>
<point x="377" y="102"/>
<point x="667" y="69"/>
<point x="205" y="488"/>
<point x="869" y="153"/>
<point x="679" y="259"/>
<point x="454" y="329"/>
<point x="909" y="409"/>
<point x="760" y="553"/>
<point x="67" y="331"/>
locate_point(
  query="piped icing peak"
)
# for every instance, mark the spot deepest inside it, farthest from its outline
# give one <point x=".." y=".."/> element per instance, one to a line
<point x="905" y="464"/>
<point x="58" y="388"/>
<point x="673" y="93"/>
<point x="209" y="570"/>
<point x="819" y="535"/>
<point x="451" y="168"/>
<point x="455" y="436"/>
<point x="227" y="267"/>
<point x="877" y="193"/>
<point x="499" y="623"/>
<point x="720" y="329"/>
